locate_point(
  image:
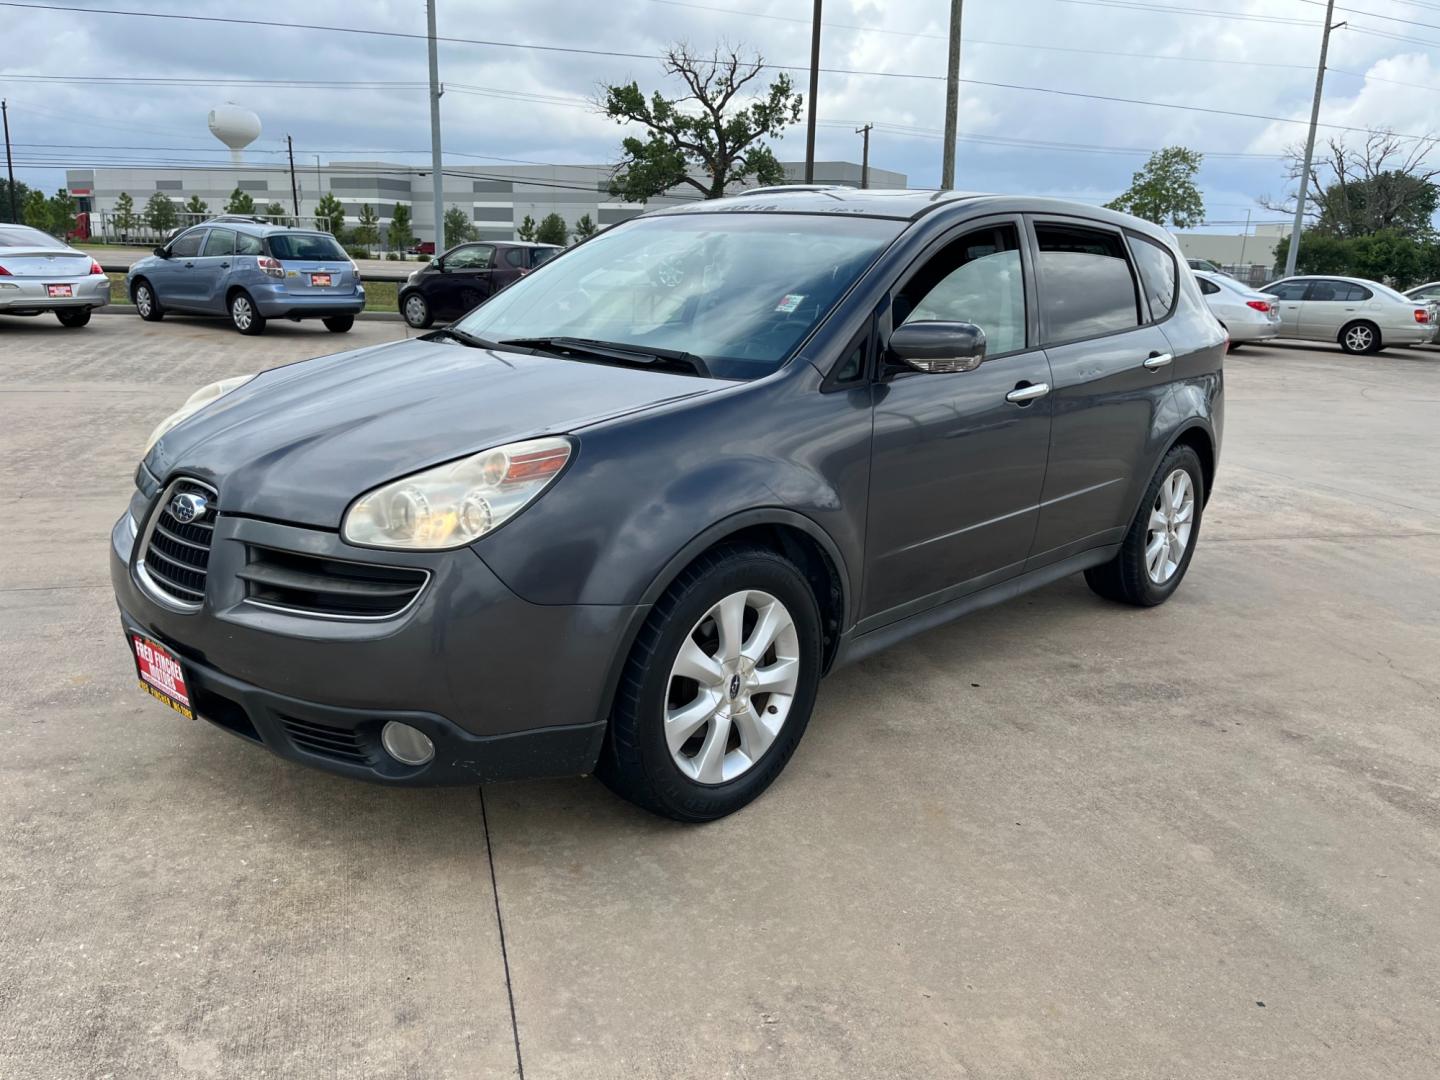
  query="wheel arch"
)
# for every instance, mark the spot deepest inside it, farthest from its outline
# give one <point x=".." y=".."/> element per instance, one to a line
<point x="1200" y="439"/>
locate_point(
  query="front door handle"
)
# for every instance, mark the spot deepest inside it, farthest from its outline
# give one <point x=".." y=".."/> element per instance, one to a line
<point x="1159" y="360"/>
<point x="1025" y="393"/>
<point x="189" y="266"/>
<point x="225" y="266"/>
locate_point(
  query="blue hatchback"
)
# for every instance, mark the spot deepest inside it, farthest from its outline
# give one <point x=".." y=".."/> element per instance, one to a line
<point x="250" y="271"/>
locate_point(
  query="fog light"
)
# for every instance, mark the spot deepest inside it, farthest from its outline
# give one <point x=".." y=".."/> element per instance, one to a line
<point x="406" y="744"/>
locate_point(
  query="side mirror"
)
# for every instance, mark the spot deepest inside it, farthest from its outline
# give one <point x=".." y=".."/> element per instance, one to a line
<point x="162" y="252"/>
<point x="939" y="348"/>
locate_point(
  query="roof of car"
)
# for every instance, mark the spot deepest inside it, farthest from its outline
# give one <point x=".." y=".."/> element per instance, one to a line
<point x="1329" y="277"/>
<point x="252" y="228"/>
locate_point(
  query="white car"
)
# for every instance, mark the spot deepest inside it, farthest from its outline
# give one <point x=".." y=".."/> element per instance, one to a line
<point x="1246" y="315"/>
<point x="39" y="273"/>
<point x="1429" y="293"/>
<point x="1363" y="316"/>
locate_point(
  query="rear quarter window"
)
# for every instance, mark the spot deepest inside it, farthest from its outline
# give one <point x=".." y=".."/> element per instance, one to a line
<point x="1157" y="275"/>
<point x="246" y="244"/>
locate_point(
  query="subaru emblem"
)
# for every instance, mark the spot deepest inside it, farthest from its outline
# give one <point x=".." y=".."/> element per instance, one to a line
<point x="186" y="507"/>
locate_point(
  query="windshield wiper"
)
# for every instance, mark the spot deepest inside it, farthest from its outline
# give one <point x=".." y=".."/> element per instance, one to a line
<point x="613" y="350"/>
<point x="465" y="339"/>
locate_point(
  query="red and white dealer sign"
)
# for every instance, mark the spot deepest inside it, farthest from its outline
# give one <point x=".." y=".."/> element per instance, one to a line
<point x="161" y="675"/>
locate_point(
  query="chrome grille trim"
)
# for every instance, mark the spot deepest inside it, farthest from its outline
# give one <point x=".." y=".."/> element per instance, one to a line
<point x="177" y="577"/>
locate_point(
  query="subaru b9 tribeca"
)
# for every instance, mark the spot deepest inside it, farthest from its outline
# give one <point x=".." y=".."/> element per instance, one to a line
<point x="623" y="516"/>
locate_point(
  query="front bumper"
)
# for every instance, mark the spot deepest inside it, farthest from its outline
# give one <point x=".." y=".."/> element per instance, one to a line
<point x="276" y="301"/>
<point x="504" y="688"/>
<point x="27" y="295"/>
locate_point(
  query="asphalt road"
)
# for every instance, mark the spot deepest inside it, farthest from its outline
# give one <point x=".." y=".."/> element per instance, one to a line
<point x="1059" y="839"/>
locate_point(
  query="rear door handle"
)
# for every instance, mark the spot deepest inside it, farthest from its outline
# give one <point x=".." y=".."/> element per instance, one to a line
<point x="1159" y="360"/>
<point x="1027" y="392"/>
<point x="189" y="266"/>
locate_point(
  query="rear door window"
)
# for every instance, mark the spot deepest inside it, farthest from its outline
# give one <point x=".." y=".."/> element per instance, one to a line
<point x="1086" y="285"/>
<point x="187" y="245"/>
<point x="219" y="242"/>
<point x="1157" y="275"/>
<point x="542" y="255"/>
<point x="516" y="257"/>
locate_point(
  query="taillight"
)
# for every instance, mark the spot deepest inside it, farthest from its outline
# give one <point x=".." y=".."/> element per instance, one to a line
<point x="354" y="266"/>
<point x="270" y="265"/>
<point x="4" y="272"/>
<point x="1258" y="305"/>
<point x="1421" y="315"/>
<point x="95" y="268"/>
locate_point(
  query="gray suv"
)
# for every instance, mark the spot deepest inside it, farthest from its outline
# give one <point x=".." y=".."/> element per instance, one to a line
<point x="622" y="521"/>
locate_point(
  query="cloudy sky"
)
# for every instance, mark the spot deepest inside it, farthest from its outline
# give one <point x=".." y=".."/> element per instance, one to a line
<point x="507" y="104"/>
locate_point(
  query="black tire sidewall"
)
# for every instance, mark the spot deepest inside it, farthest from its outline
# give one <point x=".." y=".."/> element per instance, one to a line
<point x="339" y="324"/>
<point x="73" y="318"/>
<point x="730" y="572"/>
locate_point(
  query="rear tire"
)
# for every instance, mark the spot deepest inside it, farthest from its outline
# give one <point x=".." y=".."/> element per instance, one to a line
<point x="1158" y="547"/>
<point x="742" y="619"/>
<point x="147" y="304"/>
<point x="1361" y="338"/>
<point x="244" y="315"/>
<point x="73" y="317"/>
<point x="339" y="324"/>
<point x="416" y="310"/>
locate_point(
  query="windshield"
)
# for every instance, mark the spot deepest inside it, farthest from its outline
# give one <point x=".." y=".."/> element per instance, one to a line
<point x="740" y="291"/>
<point x="303" y="246"/>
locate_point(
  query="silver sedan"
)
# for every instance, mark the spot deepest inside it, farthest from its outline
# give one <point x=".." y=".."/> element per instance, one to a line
<point x="39" y="273"/>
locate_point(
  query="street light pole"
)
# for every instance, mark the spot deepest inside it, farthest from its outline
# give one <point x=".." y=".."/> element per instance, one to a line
<point x="814" y="92"/>
<point x="952" y="98"/>
<point x="294" y="188"/>
<point x="435" y="169"/>
<point x="1294" y="253"/>
<point x="864" y="133"/>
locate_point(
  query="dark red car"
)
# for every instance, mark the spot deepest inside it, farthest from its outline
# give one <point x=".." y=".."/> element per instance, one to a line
<point x="465" y="276"/>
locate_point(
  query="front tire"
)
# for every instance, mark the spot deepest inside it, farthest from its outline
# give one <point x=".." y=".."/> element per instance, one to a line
<point x="339" y="324"/>
<point x="73" y="317"/>
<point x="718" y="688"/>
<point x="1161" y="540"/>
<point x="1361" y="338"/>
<point x="244" y="315"/>
<point x="146" y="302"/>
<point x="416" y="311"/>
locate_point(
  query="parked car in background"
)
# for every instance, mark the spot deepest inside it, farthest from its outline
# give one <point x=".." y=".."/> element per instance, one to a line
<point x="1246" y="314"/>
<point x="40" y="274"/>
<point x="1363" y="316"/>
<point x="423" y="247"/>
<point x="466" y="275"/>
<point x="249" y="271"/>
<point x="627" y="533"/>
<point x="1429" y="293"/>
<point x="1207" y="266"/>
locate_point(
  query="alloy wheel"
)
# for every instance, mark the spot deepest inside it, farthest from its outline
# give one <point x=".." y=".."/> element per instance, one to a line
<point x="1172" y="517"/>
<point x="731" y="687"/>
<point x="1359" y="338"/>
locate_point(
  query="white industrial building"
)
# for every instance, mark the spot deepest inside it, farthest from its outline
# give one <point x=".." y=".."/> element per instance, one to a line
<point x="495" y="198"/>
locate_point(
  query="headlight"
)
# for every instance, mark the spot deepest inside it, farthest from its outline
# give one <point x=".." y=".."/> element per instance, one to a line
<point x="206" y="395"/>
<point x="452" y="505"/>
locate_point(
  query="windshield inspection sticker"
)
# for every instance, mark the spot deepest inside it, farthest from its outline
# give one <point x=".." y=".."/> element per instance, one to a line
<point x="789" y="302"/>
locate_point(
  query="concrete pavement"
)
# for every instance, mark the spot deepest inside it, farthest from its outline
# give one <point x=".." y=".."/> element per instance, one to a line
<point x="1058" y="839"/>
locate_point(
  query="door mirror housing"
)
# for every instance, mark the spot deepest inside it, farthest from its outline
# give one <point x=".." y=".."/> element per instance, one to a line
<point x="163" y="253"/>
<point x="938" y="348"/>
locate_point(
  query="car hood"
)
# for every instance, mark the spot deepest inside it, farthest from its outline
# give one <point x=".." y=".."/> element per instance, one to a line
<point x="300" y="443"/>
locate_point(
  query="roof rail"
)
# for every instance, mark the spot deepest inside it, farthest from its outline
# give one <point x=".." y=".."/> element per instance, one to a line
<point x="774" y="188"/>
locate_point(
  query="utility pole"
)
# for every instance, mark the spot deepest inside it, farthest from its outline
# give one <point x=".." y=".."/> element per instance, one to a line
<point x="1294" y="253"/>
<point x="294" y="189"/>
<point x="1245" y="238"/>
<point x="814" y="92"/>
<point x="435" y="92"/>
<point x="864" y="132"/>
<point x="952" y="97"/>
<point x="9" y="164"/>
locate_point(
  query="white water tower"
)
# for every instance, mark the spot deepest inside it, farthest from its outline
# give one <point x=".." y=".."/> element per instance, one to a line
<point x="237" y="128"/>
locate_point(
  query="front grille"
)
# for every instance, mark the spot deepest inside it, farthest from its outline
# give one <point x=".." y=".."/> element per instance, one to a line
<point x="338" y="744"/>
<point x="176" y="554"/>
<point x="329" y="588"/>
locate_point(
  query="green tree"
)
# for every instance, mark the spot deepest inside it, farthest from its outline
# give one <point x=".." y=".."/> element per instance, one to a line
<point x="552" y="230"/>
<point x="197" y="206"/>
<point x="160" y="212"/>
<point x="22" y="191"/>
<point x="61" y="210"/>
<point x="585" y="228"/>
<point x="706" y="130"/>
<point x="36" y="210"/>
<point x="274" y="210"/>
<point x="400" y="235"/>
<point x="1164" y="190"/>
<point x="1387" y="255"/>
<point x="330" y="214"/>
<point x="240" y="202"/>
<point x="367" y="232"/>
<point x="124" y="218"/>
<point x="458" y="226"/>
<point x="526" y="228"/>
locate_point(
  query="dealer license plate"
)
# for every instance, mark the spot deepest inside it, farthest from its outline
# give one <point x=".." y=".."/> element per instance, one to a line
<point x="59" y="291"/>
<point x="161" y="675"/>
<point x="320" y="279"/>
